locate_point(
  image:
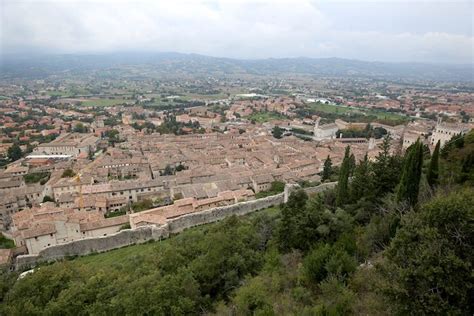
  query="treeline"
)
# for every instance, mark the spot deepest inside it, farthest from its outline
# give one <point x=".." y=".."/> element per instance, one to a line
<point x="169" y="126"/>
<point x="394" y="237"/>
<point x="368" y="132"/>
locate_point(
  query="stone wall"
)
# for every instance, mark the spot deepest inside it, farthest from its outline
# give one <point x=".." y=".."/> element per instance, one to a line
<point x="289" y="188"/>
<point x="320" y="188"/>
<point x="90" y="245"/>
<point x="142" y="234"/>
<point x="212" y="215"/>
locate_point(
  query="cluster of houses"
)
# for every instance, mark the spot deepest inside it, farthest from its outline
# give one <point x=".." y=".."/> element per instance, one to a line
<point x="80" y="189"/>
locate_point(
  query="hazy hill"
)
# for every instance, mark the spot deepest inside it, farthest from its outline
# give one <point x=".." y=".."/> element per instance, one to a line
<point x="189" y="64"/>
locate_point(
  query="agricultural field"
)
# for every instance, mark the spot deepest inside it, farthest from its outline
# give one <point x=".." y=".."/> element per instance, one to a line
<point x="104" y="102"/>
<point x="262" y="117"/>
<point x="344" y="110"/>
<point x="58" y="93"/>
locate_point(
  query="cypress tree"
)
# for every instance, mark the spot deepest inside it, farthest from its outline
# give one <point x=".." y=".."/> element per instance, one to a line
<point x="467" y="169"/>
<point x="352" y="164"/>
<point x="386" y="169"/>
<point x="327" y="171"/>
<point x="361" y="184"/>
<point x="342" y="193"/>
<point x="433" y="169"/>
<point x="409" y="185"/>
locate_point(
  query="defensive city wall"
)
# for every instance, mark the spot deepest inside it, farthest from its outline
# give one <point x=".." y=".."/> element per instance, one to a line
<point x="143" y="234"/>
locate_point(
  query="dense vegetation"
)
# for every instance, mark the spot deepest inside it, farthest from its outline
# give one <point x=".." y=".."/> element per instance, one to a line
<point x="169" y="126"/>
<point x="394" y="237"/>
<point x="182" y="275"/>
<point x="367" y="132"/>
<point x="41" y="177"/>
<point x="6" y="243"/>
<point x="329" y="113"/>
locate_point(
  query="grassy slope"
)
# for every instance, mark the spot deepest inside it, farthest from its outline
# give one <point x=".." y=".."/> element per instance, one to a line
<point x="127" y="254"/>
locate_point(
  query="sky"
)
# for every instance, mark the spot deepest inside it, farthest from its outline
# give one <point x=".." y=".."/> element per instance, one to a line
<point x="395" y="31"/>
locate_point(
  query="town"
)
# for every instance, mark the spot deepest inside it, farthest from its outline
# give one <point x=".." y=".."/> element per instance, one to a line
<point x="235" y="158"/>
<point x="78" y="166"/>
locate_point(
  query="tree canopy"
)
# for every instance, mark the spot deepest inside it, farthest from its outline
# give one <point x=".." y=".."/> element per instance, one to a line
<point x="14" y="152"/>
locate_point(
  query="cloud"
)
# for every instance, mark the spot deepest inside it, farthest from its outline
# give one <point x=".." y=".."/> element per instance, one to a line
<point x="242" y="29"/>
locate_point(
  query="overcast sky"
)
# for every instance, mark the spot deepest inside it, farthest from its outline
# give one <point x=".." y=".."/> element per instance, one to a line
<point x="425" y="31"/>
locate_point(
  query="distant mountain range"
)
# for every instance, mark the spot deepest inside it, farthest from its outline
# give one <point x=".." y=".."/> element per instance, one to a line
<point x="189" y="64"/>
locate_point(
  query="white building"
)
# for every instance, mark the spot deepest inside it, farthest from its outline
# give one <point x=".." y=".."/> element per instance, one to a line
<point x="72" y="144"/>
<point x="445" y="131"/>
<point x="327" y="131"/>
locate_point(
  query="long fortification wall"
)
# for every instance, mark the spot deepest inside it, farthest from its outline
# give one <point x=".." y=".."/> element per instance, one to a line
<point x="143" y="234"/>
<point x="212" y="215"/>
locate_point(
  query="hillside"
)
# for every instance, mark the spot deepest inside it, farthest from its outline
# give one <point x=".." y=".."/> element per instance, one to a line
<point x="396" y="239"/>
<point x="193" y="64"/>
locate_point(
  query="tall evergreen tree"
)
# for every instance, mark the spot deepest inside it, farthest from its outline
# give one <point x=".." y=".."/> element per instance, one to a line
<point x="361" y="183"/>
<point x="409" y="185"/>
<point x="467" y="169"/>
<point x="342" y="192"/>
<point x="292" y="218"/>
<point x="433" y="169"/>
<point x="386" y="169"/>
<point x="327" y="171"/>
<point x="352" y="164"/>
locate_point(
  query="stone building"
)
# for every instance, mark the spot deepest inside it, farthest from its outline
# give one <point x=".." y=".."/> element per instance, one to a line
<point x="72" y="144"/>
<point x="445" y="131"/>
<point x="326" y="131"/>
<point x="42" y="227"/>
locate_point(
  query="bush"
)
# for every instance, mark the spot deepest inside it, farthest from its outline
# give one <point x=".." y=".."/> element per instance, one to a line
<point x="430" y="260"/>
<point x="6" y="243"/>
<point x="336" y="298"/>
<point x="341" y="264"/>
<point x="120" y="212"/>
<point x="47" y="198"/>
<point x="37" y="177"/>
<point x="252" y="298"/>
<point x="142" y="206"/>
<point x="275" y="188"/>
<point x="315" y="263"/>
<point x="325" y="260"/>
<point x="68" y="173"/>
<point x="125" y="226"/>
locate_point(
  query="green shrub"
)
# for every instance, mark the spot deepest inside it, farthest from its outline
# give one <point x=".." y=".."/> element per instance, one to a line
<point x="315" y="263"/>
